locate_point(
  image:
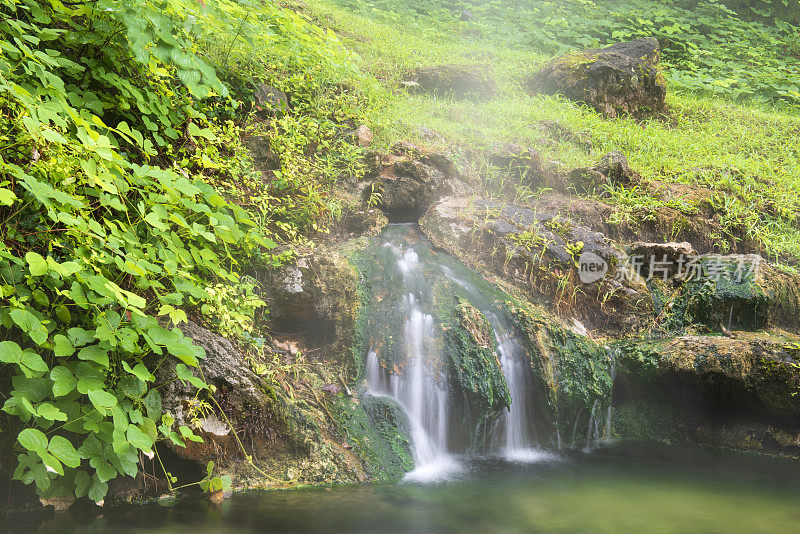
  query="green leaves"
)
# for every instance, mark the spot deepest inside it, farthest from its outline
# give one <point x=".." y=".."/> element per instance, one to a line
<point x="64" y="381"/>
<point x="37" y="264"/>
<point x="7" y="197"/>
<point x="102" y="400"/>
<point x="64" y="451"/>
<point x="30" y="324"/>
<point x="102" y="237"/>
<point x="62" y="346"/>
<point x="139" y="439"/>
<point x="94" y="353"/>
<point x="30" y="363"/>
<point x="33" y="439"/>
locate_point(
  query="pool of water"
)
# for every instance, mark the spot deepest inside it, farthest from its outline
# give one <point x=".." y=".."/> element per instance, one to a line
<point x="616" y="489"/>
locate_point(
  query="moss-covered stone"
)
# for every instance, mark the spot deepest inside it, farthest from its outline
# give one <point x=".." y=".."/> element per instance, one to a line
<point x="623" y="79"/>
<point x="643" y="420"/>
<point x="476" y="369"/>
<point x="737" y="292"/>
<point x="571" y="369"/>
<point x="378" y="431"/>
<point x="739" y="393"/>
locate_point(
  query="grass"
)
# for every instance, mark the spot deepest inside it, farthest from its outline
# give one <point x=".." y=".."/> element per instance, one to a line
<point x="747" y="153"/>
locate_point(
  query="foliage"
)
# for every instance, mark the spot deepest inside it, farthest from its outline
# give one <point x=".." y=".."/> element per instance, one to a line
<point x="117" y="152"/>
<point x="706" y="46"/>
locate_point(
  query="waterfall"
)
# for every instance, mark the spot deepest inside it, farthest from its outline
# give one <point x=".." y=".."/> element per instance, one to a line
<point x="418" y="378"/>
<point x="514" y="437"/>
<point x="419" y="388"/>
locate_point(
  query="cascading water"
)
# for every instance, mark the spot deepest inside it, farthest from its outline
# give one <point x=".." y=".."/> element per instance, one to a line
<point x="419" y="389"/>
<point x="513" y="434"/>
<point x="418" y="379"/>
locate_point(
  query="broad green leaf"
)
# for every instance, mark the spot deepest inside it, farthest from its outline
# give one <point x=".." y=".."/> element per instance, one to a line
<point x="62" y="449"/>
<point x="80" y="337"/>
<point x="152" y="403"/>
<point x="50" y="412"/>
<point x="139" y="371"/>
<point x="37" y="264"/>
<point x="30" y="325"/>
<point x="10" y="352"/>
<point x="98" y="489"/>
<point x="83" y="481"/>
<point x="33" y="440"/>
<point x="33" y="361"/>
<point x="63" y="381"/>
<point x="94" y="353"/>
<point x="52" y="463"/>
<point x="62" y="346"/>
<point x="89" y="378"/>
<point x="7" y="197"/>
<point x="104" y="470"/>
<point x="102" y="400"/>
<point x="139" y="439"/>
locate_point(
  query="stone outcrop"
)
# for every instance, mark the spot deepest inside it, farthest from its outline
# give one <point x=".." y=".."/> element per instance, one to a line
<point x="289" y="442"/>
<point x="735" y="393"/>
<point x="408" y="181"/>
<point x="539" y="252"/>
<point x="622" y="79"/>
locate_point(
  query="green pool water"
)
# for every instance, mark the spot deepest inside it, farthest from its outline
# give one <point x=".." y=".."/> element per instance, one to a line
<point x="637" y="489"/>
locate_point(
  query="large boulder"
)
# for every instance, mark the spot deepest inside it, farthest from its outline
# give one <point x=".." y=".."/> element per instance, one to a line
<point x="622" y="79"/>
<point x="458" y="81"/>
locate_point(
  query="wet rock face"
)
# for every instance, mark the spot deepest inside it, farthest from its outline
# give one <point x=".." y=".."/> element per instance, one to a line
<point x="477" y="373"/>
<point x="458" y="81"/>
<point x="289" y="440"/>
<point x="622" y="79"/>
<point x="377" y="429"/>
<point x="572" y="372"/>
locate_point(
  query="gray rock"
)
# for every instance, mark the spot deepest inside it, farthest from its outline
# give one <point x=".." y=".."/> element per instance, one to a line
<point x="270" y="99"/>
<point x="614" y="166"/>
<point x="623" y="79"/>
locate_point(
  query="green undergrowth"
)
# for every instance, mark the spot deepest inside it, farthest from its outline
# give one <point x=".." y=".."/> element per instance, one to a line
<point x="129" y="205"/>
<point x="744" y="150"/>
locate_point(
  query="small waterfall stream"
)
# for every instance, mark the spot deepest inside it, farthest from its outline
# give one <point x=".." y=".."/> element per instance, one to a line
<point x="421" y="388"/>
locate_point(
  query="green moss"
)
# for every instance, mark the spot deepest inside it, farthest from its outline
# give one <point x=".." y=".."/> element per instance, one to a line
<point x="736" y="297"/>
<point x="639" y="359"/>
<point x="647" y="421"/>
<point x="472" y="348"/>
<point x="572" y="369"/>
<point x="378" y="431"/>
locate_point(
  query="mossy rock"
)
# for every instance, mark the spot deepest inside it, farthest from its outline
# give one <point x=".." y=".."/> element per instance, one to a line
<point x="476" y="370"/>
<point x="744" y="293"/>
<point x="622" y="79"/>
<point x="378" y="431"/>
<point x="756" y="372"/>
<point x="572" y="370"/>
